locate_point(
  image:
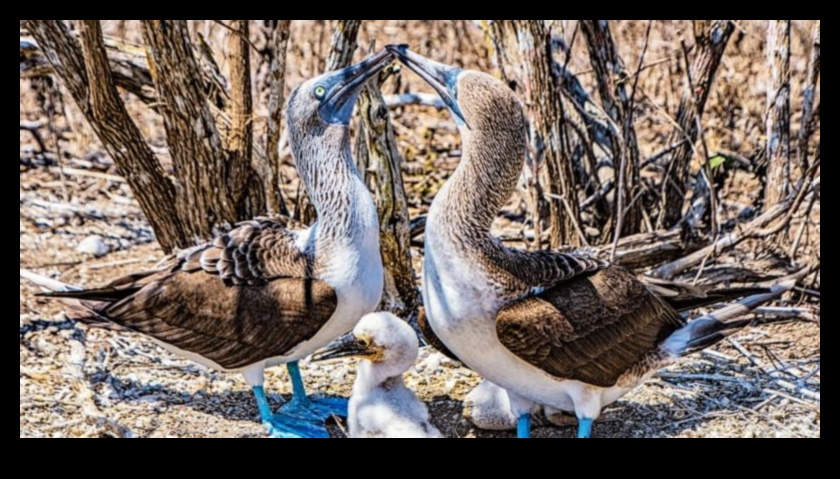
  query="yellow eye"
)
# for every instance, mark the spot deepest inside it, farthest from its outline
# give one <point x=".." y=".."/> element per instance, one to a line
<point x="320" y="91"/>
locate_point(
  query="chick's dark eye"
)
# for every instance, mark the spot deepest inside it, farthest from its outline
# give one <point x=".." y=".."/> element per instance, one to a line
<point x="320" y="91"/>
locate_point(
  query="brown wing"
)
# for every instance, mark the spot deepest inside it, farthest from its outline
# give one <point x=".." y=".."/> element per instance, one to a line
<point x="232" y="326"/>
<point x="591" y="329"/>
<point x="246" y="297"/>
<point x="253" y="253"/>
<point x="527" y="272"/>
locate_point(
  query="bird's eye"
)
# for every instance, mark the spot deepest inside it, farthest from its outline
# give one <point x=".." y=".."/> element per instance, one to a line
<point x="320" y="91"/>
<point x="364" y="342"/>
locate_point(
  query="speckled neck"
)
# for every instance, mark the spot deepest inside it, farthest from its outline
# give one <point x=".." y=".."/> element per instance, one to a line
<point x="485" y="179"/>
<point x="331" y="179"/>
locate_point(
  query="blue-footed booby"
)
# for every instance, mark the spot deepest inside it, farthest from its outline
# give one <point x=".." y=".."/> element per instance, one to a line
<point x="265" y="294"/>
<point x="566" y="331"/>
<point x="381" y="405"/>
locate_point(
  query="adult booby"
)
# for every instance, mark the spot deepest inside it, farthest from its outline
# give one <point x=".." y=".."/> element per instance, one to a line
<point x="381" y="405"/>
<point x="264" y="294"/>
<point x="562" y="330"/>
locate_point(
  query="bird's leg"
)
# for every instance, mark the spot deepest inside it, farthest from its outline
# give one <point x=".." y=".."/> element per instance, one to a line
<point x="305" y="407"/>
<point x="262" y="404"/>
<point x="523" y="426"/>
<point x="585" y="428"/>
<point x="281" y="426"/>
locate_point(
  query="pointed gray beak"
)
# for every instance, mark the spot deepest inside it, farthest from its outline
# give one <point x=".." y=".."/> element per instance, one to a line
<point x="348" y="346"/>
<point x="443" y="78"/>
<point x="338" y="106"/>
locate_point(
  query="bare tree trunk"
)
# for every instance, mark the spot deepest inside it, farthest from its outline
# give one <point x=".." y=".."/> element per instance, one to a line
<point x="204" y="176"/>
<point x="276" y="101"/>
<point x="612" y="86"/>
<point x="344" y="42"/>
<point x="106" y="113"/>
<point x="551" y="141"/>
<point x="379" y="159"/>
<point x="778" y="116"/>
<point x="711" y="39"/>
<point x="240" y="140"/>
<point x="809" y="93"/>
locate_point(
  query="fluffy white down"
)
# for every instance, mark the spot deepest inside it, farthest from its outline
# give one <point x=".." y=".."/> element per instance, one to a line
<point x="381" y="405"/>
<point x="488" y="407"/>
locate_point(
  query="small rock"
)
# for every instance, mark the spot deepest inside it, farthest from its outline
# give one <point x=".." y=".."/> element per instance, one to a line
<point x="94" y="246"/>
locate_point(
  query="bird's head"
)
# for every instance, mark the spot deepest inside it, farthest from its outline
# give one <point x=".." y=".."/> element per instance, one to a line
<point x="477" y="100"/>
<point x="381" y="338"/>
<point x="329" y="99"/>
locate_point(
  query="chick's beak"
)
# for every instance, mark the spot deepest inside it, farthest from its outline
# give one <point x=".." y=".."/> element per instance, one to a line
<point x="443" y="78"/>
<point x="338" y="106"/>
<point x="347" y="347"/>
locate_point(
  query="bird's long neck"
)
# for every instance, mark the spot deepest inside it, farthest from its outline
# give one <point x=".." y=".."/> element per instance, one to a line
<point x="344" y="205"/>
<point x="486" y="177"/>
<point x="373" y="376"/>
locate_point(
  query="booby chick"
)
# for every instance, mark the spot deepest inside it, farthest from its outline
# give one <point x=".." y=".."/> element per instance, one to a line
<point x="565" y="331"/>
<point x="265" y="294"/>
<point x="381" y="405"/>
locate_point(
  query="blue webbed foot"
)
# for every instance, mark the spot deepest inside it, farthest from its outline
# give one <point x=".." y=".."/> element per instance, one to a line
<point x="585" y="429"/>
<point x="281" y="426"/>
<point x="285" y="426"/>
<point x="311" y="408"/>
<point x="523" y="427"/>
<point x="325" y="408"/>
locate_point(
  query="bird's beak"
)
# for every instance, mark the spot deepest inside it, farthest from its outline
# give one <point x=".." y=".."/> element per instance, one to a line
<point x="443" y="78"/>
<point x="338" y="106"/>
<point x="347" y="347"/>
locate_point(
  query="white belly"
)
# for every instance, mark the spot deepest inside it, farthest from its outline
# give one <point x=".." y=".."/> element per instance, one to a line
<point x="461" y="308"/>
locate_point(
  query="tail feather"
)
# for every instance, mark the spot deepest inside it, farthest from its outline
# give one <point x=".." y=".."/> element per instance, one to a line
<point x="105" y="295"/>
<point x="685" y="297"/>
<point x="710" y="298"/>
<point x="706" y="331"/>
<point x="47" y="284"/>
<point x="77" y="306"/>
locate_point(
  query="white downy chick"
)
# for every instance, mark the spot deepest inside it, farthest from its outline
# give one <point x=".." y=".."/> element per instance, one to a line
<point x="381" y="405"/>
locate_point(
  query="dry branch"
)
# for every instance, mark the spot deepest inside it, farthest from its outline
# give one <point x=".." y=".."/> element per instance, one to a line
<point x="194" y="141"/>
<point x="809" y="94"/>
<point x="549" y="135"/>
<point x="104" y="110"/>
<point x="618" y="104"/>
<point x="779" y="168"/>
<point x="379" y="157"/>
<point x="276" y="101"/>
<point x="711" y="39"/>
<point x="343" y="44"/>
<point x="240" y="137"/>
<point x="761" y="227"/>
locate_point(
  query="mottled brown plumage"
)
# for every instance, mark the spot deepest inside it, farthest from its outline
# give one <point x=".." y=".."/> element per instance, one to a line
<point x="189" y="301"/>
<point x="591" y="329"/>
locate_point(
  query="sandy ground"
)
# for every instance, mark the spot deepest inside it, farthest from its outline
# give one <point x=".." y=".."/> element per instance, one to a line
<point x="79" y="382"/>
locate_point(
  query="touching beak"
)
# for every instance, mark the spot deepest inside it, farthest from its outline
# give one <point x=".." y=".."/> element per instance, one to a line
<point x="443" y="78"/>
<point x="338" y="106"/>
<point x="347" y="347"/>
